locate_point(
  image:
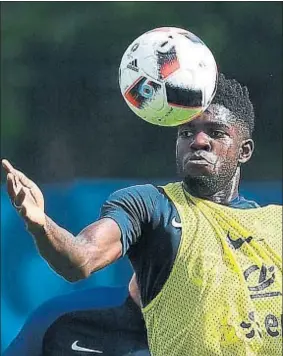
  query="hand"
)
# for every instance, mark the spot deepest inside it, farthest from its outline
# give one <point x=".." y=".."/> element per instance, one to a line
<point x="25" y="196"/>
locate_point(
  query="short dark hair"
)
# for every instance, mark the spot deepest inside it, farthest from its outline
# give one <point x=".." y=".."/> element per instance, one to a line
<point x="235" y="97"/>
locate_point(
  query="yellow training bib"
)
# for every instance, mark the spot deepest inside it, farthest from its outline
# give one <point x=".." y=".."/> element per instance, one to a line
<point x="224" y="293"/>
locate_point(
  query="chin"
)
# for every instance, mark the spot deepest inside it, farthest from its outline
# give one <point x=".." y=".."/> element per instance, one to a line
<point x="204" y="185"/>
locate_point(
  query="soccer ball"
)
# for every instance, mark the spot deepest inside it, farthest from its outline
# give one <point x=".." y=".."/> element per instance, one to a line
<point x="168" y="76"/>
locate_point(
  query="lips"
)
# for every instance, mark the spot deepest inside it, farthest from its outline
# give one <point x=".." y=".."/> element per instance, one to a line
<point x="199" y="159"/>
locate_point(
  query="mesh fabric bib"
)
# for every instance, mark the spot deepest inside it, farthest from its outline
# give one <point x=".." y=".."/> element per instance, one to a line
<point x="224" y="293"/>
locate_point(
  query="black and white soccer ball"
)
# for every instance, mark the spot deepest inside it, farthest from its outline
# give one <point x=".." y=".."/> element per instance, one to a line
<point x="168" y="76"/>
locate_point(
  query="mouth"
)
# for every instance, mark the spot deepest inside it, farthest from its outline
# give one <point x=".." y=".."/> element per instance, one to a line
<point x="198" y="159"/>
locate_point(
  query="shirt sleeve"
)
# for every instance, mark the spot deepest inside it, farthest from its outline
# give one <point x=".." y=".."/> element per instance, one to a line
<point x="133" y="210"/>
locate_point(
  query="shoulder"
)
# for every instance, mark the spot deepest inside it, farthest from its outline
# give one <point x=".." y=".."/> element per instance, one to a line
<point x="274" y="210"/>
<point x="145" y="203"/>
<point x="146" y="193"/>
<point x="243" y="203"/>
<point x="137" y="190"/>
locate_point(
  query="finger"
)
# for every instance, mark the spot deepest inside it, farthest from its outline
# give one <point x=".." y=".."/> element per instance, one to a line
<point x="20" y="176"/>
<point x="17" y="182"/>
<point x="23" y="179"/>
<point x="19" y="199"/>
<point x="7" y="166"/>
<point x="11" y="186"/>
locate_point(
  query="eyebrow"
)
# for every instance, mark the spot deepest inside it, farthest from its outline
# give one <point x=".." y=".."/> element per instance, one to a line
<point x="219" y="125"/>
<point x="212" y="124"/>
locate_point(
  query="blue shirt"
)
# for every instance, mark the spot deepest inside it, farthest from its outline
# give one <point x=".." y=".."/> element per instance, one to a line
<point x="151" y="232"/>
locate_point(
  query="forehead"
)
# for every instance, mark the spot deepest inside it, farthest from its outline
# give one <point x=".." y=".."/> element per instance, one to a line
<point x="215" y="114"/>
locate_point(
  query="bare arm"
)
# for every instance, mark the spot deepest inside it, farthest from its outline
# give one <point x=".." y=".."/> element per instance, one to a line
<point x="74" y="258"/>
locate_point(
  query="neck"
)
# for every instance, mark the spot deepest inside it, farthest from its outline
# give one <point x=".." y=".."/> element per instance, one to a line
<point x="222" y="196"/>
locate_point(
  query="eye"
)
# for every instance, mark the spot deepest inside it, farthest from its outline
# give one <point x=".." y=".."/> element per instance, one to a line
<point x="218" y="134"/>
<point x="185" y="133"/>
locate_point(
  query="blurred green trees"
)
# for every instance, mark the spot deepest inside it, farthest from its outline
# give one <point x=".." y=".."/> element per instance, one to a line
<point x="62" y="115"/>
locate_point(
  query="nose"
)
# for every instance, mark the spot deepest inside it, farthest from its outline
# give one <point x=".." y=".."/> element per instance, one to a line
<point x="201" y="142"/>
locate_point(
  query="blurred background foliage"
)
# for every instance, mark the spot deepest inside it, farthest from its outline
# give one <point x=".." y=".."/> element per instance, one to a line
<point x="62" y="114"/>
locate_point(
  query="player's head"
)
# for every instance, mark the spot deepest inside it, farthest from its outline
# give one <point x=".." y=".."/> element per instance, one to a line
<point x="211" y="148"/>
<point x="235" y="97"/>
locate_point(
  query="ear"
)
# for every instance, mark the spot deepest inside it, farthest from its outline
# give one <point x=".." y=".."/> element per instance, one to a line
<point x="246" y="150"/>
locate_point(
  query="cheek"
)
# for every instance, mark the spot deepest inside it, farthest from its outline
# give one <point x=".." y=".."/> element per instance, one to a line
<point x="226" y="155"/>
<point x="180" y="149"/>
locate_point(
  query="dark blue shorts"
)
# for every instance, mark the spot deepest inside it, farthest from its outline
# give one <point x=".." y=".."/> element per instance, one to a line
<point x="100" y="321"/>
